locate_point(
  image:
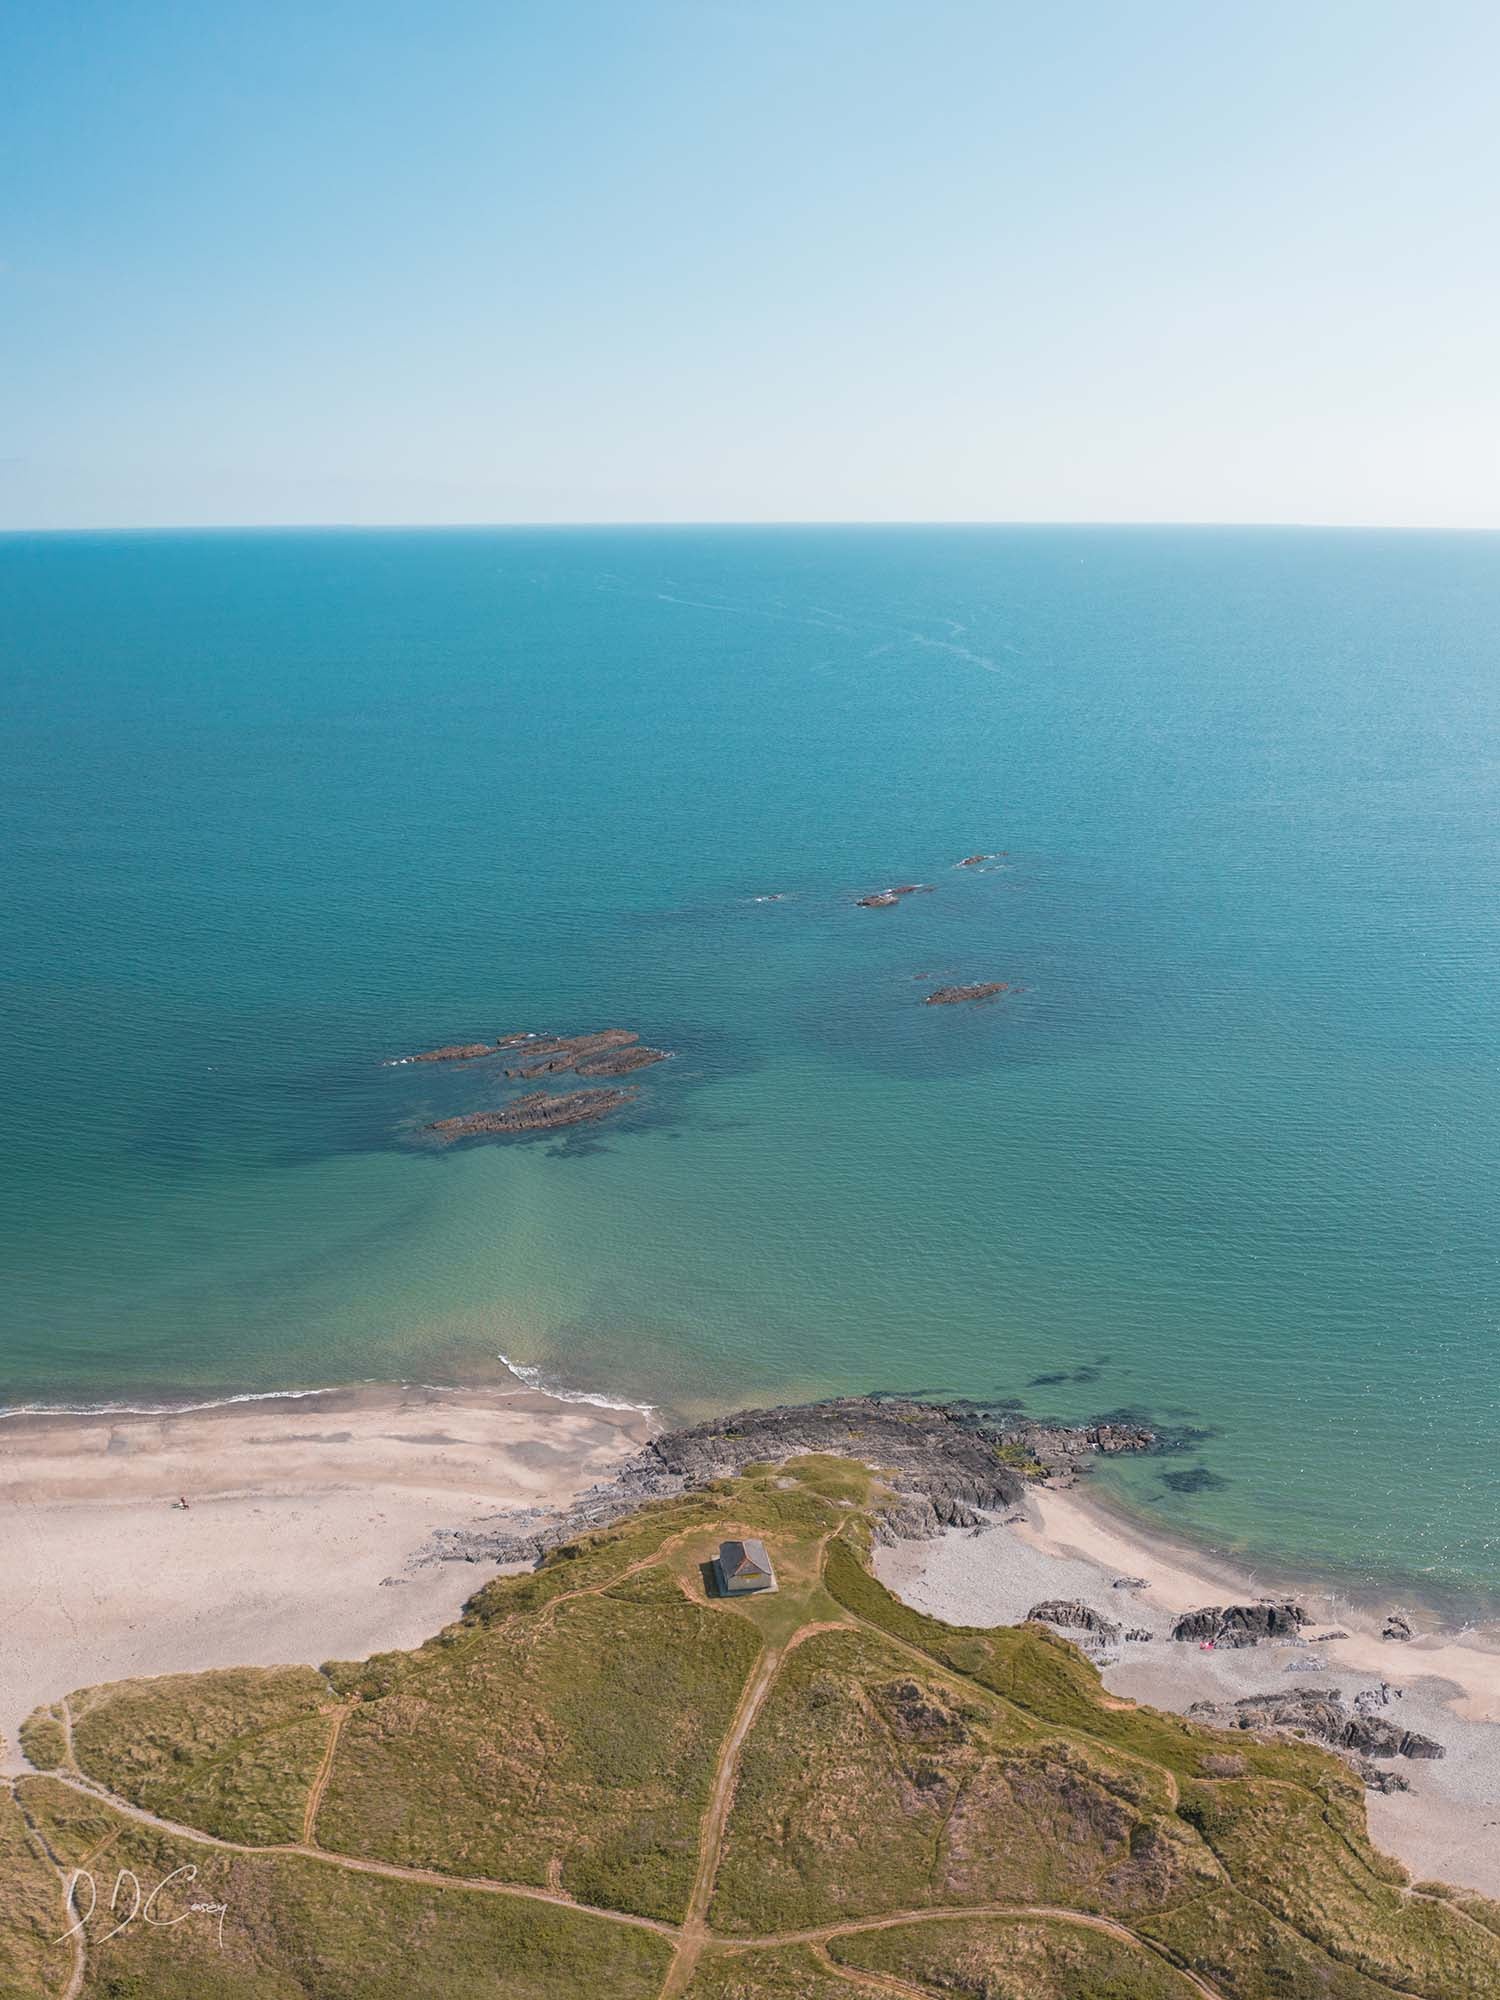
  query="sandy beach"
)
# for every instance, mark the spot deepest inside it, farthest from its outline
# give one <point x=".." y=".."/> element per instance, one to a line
<point x="1070" y="1546"/>
<point x="302" y="1514"/>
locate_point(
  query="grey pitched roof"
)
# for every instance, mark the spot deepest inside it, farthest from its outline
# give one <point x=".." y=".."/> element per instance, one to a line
<point x="746" y="1558"/>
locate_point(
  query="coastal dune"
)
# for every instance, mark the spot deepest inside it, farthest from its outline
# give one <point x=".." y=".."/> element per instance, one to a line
<point x="301" y="1513"/>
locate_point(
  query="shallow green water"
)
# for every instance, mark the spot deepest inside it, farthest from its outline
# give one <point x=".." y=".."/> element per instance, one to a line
<point x="280" y="807"/>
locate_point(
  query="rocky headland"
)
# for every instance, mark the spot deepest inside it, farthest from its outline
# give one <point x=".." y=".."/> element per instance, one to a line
<point x="949" y="1465"/>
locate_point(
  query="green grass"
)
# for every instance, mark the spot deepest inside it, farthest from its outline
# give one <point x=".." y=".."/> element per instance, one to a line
<point x="233" y="1753"/>
<point x="32" y="1965"/>
<point x="584" y="1742"/>
<point x="1281" y="1846"/>
<point x="793" y="1973"/>
<point x="565" y="1733"/>
<point x="870" y="1786"/>
<point x="307" y="1930"/>
<point x="1014" y="1958"/>
<point x="44" y="1740"/>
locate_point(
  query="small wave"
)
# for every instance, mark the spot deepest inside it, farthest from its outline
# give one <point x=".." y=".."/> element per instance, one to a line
<point x="533" y="1379"/>
<point x="160" y="1409"/>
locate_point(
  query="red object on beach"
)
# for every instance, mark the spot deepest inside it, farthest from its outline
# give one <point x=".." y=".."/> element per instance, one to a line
<point x="1205" y="1645"/>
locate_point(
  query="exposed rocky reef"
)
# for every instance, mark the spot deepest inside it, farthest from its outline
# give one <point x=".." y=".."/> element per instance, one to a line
<point x="1358" y="1732"/>
<point x="882" y="899"/>
<point x="948" y="1467"/>
<point x="465" y="1051"/>
<point x="955" y="996"/>
<point x="556" y="1053"/>
<point x="537" y="1111"/>
<point x="454" y="1052"/>
<point x="978" y="860"/>
<point x="1242" y="1624"/>
<point x="607" y="1052"/>
<point x="622" y="1062"/>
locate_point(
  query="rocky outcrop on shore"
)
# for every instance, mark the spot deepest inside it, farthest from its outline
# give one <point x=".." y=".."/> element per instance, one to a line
<point x="537" y="1111"/>
<point x="1241" y="1624"/>
<point x="1359" y="1732"/>
<point x="948" y="1465"/>
<point x="955" y="996"/>
<point x="1071" y="1614"/>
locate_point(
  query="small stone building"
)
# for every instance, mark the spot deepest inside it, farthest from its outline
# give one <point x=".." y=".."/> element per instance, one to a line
<point x="742" y="1567"/>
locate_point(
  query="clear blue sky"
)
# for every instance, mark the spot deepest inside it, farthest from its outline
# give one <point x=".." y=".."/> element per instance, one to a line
<point x="551" y="260"/>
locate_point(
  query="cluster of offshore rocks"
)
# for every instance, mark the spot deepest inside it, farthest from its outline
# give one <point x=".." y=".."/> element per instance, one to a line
<point x="608" y="1052"/>
<point x="945" y="996"/>
<point x="942" y="1461"/>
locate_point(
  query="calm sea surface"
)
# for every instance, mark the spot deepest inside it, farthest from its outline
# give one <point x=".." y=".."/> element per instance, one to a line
<point x="279" y="807"/>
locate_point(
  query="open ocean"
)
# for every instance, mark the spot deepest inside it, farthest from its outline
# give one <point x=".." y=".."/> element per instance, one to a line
<point x="278" y="807"/>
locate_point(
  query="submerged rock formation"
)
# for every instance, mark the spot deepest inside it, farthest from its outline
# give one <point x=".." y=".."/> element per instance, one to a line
<point x="943" y="1461"/>
<point x="882" y="899"/>
<point x="1241" y="1624"/>
<point x="954" y="996"/>
<point x="537" y="1111"/>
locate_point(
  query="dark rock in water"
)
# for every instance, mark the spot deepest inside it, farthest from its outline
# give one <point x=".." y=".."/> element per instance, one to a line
<point x="1320" y="1713"/>
<point x="1071" y="1613"/>
<point x="1197" y="1479"/>
<point x="1241" y="1624"/>
<point x="1397" y="1626"/>
<point x="454" y="1052"/>
<point x="943" y="1464"/>
<point x="621" y="1062"/>
<point x="882" y="899"/>
<point x="955" y="996"/>
<point x="1128" y="1583"/>
<point x="537" y="1111"/>
<point x="973" y="860"/>
<point x="562" y="1052"/>
<point x="1324" y="1638"/>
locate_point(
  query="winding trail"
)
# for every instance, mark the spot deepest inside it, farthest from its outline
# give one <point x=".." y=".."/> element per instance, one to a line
<point x="320" y="1782"/>
<point x="692" y="1938"/>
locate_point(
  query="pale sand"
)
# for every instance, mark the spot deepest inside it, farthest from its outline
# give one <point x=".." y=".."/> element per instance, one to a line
<point x="293" y="1548"/>
<point x="1446" y="1828"/>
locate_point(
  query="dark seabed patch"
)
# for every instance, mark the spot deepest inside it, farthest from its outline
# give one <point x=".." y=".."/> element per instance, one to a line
<point x="1197" y="1479"/>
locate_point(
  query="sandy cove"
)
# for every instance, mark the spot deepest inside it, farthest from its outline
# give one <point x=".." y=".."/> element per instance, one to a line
<point x="301" y="1515"/>
<point x="1446" y="1827"/>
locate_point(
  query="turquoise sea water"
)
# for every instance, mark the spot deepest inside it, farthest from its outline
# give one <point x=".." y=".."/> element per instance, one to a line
<point x="278" y="807"/>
